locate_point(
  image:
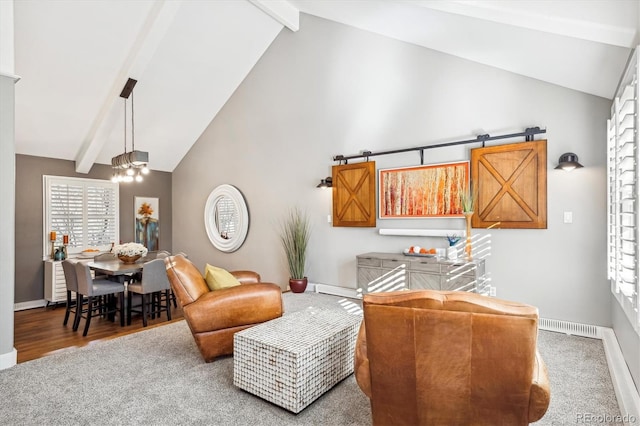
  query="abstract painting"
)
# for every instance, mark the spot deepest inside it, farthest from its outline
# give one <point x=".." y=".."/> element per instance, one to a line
<point x="422" y="191"/>
<point x="147" y="224"/>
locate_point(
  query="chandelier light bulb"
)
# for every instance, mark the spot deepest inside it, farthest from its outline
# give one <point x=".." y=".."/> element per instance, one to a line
<point x="145" y="170"/>
<point x="128" y="178"/>
<point x="114" y="178"/>
<point x="138" y="177"/>
<point x="129" y="171"/>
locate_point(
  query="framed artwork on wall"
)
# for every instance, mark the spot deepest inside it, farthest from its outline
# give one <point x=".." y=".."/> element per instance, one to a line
<point x="147" y="222"/>
<point x="422" y="191"/>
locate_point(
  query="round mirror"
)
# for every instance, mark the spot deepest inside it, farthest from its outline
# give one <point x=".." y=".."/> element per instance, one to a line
<point x="226" y="218"/>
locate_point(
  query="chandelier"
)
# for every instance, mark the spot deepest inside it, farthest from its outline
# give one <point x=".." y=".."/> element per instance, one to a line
<point x="129" y="166"/>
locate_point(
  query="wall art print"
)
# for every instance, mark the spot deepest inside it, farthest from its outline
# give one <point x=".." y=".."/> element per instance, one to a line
<point x="147" y="222"/>
<point x="422" y="191"/>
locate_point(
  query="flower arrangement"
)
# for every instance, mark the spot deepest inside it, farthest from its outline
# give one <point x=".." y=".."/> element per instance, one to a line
<point x="453" y="239"/>
<point x="130" y="249"/>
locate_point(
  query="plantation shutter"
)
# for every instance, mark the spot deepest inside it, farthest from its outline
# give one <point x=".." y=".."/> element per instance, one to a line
<point x="66" y="212"/>
<point x="102" y="213"/>
<point x="87" y="210"/>
<point x="623" y="193"/>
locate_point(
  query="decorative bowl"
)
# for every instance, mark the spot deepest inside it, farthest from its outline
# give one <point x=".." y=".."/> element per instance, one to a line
<point x="128" y="259"/>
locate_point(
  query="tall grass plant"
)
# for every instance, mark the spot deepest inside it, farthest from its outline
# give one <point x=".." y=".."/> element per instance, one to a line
<point x="295" y="235"/>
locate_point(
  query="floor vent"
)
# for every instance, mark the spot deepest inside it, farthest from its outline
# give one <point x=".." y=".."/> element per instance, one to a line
<point x="574" y="328"/>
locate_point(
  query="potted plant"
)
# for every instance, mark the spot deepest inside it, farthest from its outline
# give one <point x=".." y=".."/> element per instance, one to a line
<point x="468" y="201"/>
<point x="295" y="234"/>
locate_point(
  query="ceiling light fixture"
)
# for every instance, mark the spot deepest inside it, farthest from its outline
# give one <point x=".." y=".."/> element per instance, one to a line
<point x="129" y="166"/>
<point x="568" y="161"/>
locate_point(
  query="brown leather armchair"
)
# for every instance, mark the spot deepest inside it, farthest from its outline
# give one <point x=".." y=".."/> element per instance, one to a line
<point x="428" y="357"/>
<point x="214" y="316"/>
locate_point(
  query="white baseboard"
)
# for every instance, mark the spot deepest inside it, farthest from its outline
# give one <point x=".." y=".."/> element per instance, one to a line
<point x="9" y="359"/>
<point x="626" y="392"/>
<point x="29" y="305"/>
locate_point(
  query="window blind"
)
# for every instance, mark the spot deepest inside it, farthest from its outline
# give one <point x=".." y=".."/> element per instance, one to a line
<point x="623" y="195"/>
<point x="87" y="210"/>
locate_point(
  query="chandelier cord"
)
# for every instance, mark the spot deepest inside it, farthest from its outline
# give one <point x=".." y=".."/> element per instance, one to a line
<point x="133" y="133"/>
<point x="125" y="125"/>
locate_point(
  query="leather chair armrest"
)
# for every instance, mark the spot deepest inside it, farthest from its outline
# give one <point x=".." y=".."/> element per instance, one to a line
<point x="361" y="362"/>
<point x="246" y="277"/>
<point x="234" y="306"/>
<point x="540" y="390"/>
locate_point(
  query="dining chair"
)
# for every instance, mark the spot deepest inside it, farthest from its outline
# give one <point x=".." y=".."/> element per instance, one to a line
<point x="151" y="255"/>
<point x="154" y="290"/>
<point x="93" y="289"/>
<point x="170" y="294"/>
<point x="71" y="280"/>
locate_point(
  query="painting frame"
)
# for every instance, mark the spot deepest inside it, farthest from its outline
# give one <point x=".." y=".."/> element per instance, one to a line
<point x="146" y="222"/>
<point x="435" y="190"/>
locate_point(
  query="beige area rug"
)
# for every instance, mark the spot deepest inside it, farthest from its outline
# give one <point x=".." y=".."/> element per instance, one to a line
<point x="157" y="377"/>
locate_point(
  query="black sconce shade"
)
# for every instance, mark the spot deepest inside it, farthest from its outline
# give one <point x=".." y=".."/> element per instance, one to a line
<point x="568" y="161"/>
<point x="325" y="183"/>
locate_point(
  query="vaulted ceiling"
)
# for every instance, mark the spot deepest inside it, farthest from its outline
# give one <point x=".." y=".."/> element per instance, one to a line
<point x="74" y="58"/>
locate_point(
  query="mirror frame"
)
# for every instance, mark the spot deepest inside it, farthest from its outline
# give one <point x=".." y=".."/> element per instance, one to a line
<point x="232" y="244"/>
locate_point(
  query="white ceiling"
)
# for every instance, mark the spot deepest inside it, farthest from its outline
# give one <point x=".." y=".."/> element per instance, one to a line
<point x="74" y="57"/>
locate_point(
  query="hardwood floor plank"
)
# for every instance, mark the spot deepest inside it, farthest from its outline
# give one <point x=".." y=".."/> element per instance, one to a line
<point x="39" y="332"/>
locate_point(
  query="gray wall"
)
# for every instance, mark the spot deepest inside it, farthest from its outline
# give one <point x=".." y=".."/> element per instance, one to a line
<point x="29" y="214"/>
<point x="330" y="89"/>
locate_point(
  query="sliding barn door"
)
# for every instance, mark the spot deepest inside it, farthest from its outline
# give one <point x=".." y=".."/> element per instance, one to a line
<point x="354" y="194"/>
<point x="511" y="181"/>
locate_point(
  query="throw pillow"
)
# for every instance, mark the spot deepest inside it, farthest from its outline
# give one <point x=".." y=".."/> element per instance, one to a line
<point x="218" y="278"/>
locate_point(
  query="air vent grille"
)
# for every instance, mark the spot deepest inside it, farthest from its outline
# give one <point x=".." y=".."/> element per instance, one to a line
<point x="574" y="328"/>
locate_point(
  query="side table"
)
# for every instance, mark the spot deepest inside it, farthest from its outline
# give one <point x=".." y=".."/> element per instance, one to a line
<point x="292" y="360"/>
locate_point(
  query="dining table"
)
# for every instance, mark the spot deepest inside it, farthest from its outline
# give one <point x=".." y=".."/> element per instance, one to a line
<point x="115" y="270"/>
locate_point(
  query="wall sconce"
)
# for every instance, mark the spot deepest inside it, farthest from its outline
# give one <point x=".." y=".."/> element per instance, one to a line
<point x="568" y="161"/>
<point x="325" y="183"/>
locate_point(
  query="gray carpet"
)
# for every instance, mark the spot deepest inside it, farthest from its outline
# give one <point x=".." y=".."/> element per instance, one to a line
<point x="157" y="377"/>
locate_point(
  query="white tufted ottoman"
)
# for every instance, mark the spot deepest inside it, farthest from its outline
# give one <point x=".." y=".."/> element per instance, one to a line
<point x="292" y="360"/>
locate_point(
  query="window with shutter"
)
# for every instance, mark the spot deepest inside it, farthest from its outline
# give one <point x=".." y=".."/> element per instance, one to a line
<point x="87" y="210"/>
<point x="623" y="194"/>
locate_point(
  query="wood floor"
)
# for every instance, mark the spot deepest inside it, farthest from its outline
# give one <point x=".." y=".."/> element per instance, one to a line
<point x="39" y="332"/>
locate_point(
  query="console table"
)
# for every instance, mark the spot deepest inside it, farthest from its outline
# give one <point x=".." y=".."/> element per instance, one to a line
<point x="395" y="271"/>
